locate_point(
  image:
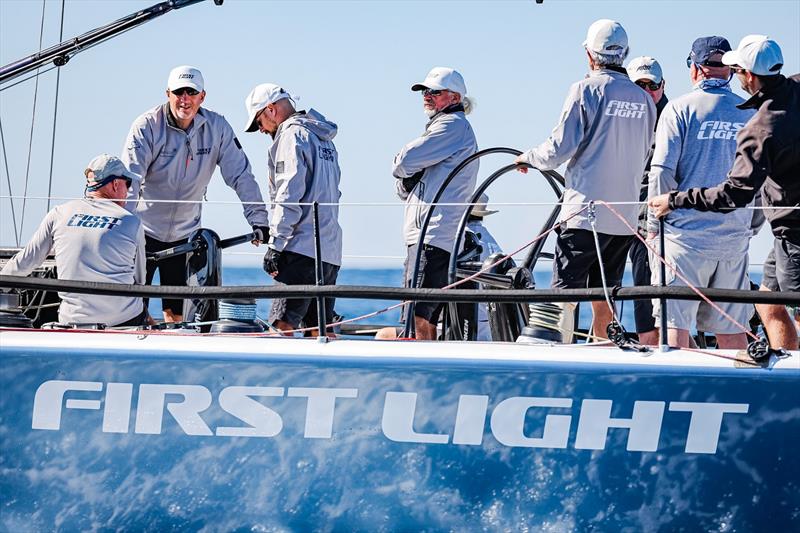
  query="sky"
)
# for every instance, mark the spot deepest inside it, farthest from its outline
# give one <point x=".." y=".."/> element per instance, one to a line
<point x="354" y="62"/>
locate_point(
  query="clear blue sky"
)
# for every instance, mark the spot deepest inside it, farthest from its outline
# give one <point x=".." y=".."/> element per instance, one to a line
<point x="354" y="62"/>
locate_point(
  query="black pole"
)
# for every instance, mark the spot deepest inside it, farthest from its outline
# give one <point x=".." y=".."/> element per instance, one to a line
<point x="61" y="53"/>
<point x="321" y="318"/>
<point x="664" y="338"/>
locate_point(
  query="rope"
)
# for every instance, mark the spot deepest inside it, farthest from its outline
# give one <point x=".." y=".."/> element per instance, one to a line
<point x="55" y="113"/>
<point x="237" y="311"/>
<point x="702" y="296"/>
<point x="369" y="204"/>
<point x="592" y="222"/>
<point x="450" y="286"/>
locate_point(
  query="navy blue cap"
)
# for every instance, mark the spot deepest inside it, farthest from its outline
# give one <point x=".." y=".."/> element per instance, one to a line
<point x="705" y="47"/>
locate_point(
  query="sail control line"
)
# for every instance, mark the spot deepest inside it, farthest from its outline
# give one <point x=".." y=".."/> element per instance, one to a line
<point x="615" y="331"/>
<point x="759" y="348"/>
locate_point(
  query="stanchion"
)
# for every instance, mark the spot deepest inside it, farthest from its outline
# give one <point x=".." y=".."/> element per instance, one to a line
<point x="321" y="318"/>
<point x="664" y="338"/>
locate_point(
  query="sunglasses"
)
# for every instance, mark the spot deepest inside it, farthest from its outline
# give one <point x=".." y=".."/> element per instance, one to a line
<point x="651" y="85"/>
<point x="432" y="92"/>
<point x="738" y="70"/>
<point x="128" y="181"/>
<point x="704" y="63"/>
<point x="185" y="90"/>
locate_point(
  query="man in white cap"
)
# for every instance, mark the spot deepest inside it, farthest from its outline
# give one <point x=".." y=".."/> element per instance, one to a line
<point x="767" y="160"/>
<point x="420" y="169"/>
<point x="695" y="147"/>
<point x="93" y="239"/>
<point x="303" y="168"/>
<point x="602" y="114"/>
<point x="175" y="148"/>
<point x="645" y="72"/>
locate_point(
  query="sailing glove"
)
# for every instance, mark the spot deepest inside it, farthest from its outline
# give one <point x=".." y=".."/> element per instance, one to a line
<point x="271" y="259"/>
<point x="410" y="183"/>
<point x="261" y="233"/>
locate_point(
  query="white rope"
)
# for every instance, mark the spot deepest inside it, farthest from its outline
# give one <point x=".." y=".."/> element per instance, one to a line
<point x="592" y="221"/>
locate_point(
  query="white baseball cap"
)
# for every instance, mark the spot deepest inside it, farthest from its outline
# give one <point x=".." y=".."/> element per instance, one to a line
<point x="259" y="98"/>
<point x="645" y="68"/>
<point x="607" y="37"/>
<point x="481" y="208"/>
<point x="442" y="79"/>
<point x="757" y="53"/>
<point x="185" y="76"/>
<point x="105" y="168"/>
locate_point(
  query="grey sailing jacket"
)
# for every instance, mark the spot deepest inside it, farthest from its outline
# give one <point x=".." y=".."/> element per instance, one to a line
<point x="605" y="131"/>
<point x="92" y="241"/>
<point x="177" y="165"/>
<point x="447" y="141"/>
<point x="695" y="147"/>
<point x="304" y="168"/>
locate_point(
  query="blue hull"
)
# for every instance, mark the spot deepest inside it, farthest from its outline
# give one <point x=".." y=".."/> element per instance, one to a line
<point x="348" y="443"/>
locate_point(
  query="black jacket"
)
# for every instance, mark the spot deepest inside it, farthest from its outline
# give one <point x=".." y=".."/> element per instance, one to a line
<point x="768" y="155"/>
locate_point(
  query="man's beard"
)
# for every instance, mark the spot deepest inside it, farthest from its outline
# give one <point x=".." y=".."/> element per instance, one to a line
<point x="429" y="111"/>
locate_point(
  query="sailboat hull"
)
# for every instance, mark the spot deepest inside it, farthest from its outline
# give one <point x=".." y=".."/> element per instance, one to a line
<point x="180" y="432"/>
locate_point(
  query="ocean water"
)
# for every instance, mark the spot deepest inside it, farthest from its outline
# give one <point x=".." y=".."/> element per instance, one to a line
<point x="391" y="277"/>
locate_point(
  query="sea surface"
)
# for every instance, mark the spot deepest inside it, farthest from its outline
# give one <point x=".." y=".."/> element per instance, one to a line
<point x="392" y="277"/>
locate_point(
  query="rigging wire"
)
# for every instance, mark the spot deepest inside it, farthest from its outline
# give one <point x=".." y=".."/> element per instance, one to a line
<point x="8" y="178"/>
<point x="34" y="75"/>
<point x="33" y="123"/>
<point x="55" y="115"/>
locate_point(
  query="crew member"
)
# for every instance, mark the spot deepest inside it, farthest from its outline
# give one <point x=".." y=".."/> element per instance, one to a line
<point x="605" y="132"/>
<point x="489" y="247"/>
<point x="420" y="169"/>
<point x="695" y="147"/>
<point x="645" y="72"/>
<point x="93" y="239"/>
<point x="767" y="159"/>
<point x="303" y="168"/>
<point x="175" y="148"/>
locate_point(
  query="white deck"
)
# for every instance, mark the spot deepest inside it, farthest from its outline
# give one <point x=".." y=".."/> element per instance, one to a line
<point x="190" y="345"/>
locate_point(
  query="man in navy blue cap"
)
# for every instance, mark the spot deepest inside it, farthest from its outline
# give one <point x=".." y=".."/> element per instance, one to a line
<point x="707" y="52"/>
<point x="766" y="154"/>
<point x="695" y="147"/>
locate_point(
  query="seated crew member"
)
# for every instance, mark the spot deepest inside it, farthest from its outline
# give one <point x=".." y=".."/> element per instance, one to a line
<point x="303" y="168"/>
<point x="93" y="239"/>
<point x="489" y="246"/>
<point x="175" y="148"/>
<point x="420" y="168"/>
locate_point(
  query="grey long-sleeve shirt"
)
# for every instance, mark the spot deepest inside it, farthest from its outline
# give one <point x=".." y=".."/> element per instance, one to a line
<point x="695" y="147"/>
<point x="448" y="140"/>
<point x="605" y="131"/>
<point x="177" y="165"/>
<point x="92" y="241"/>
